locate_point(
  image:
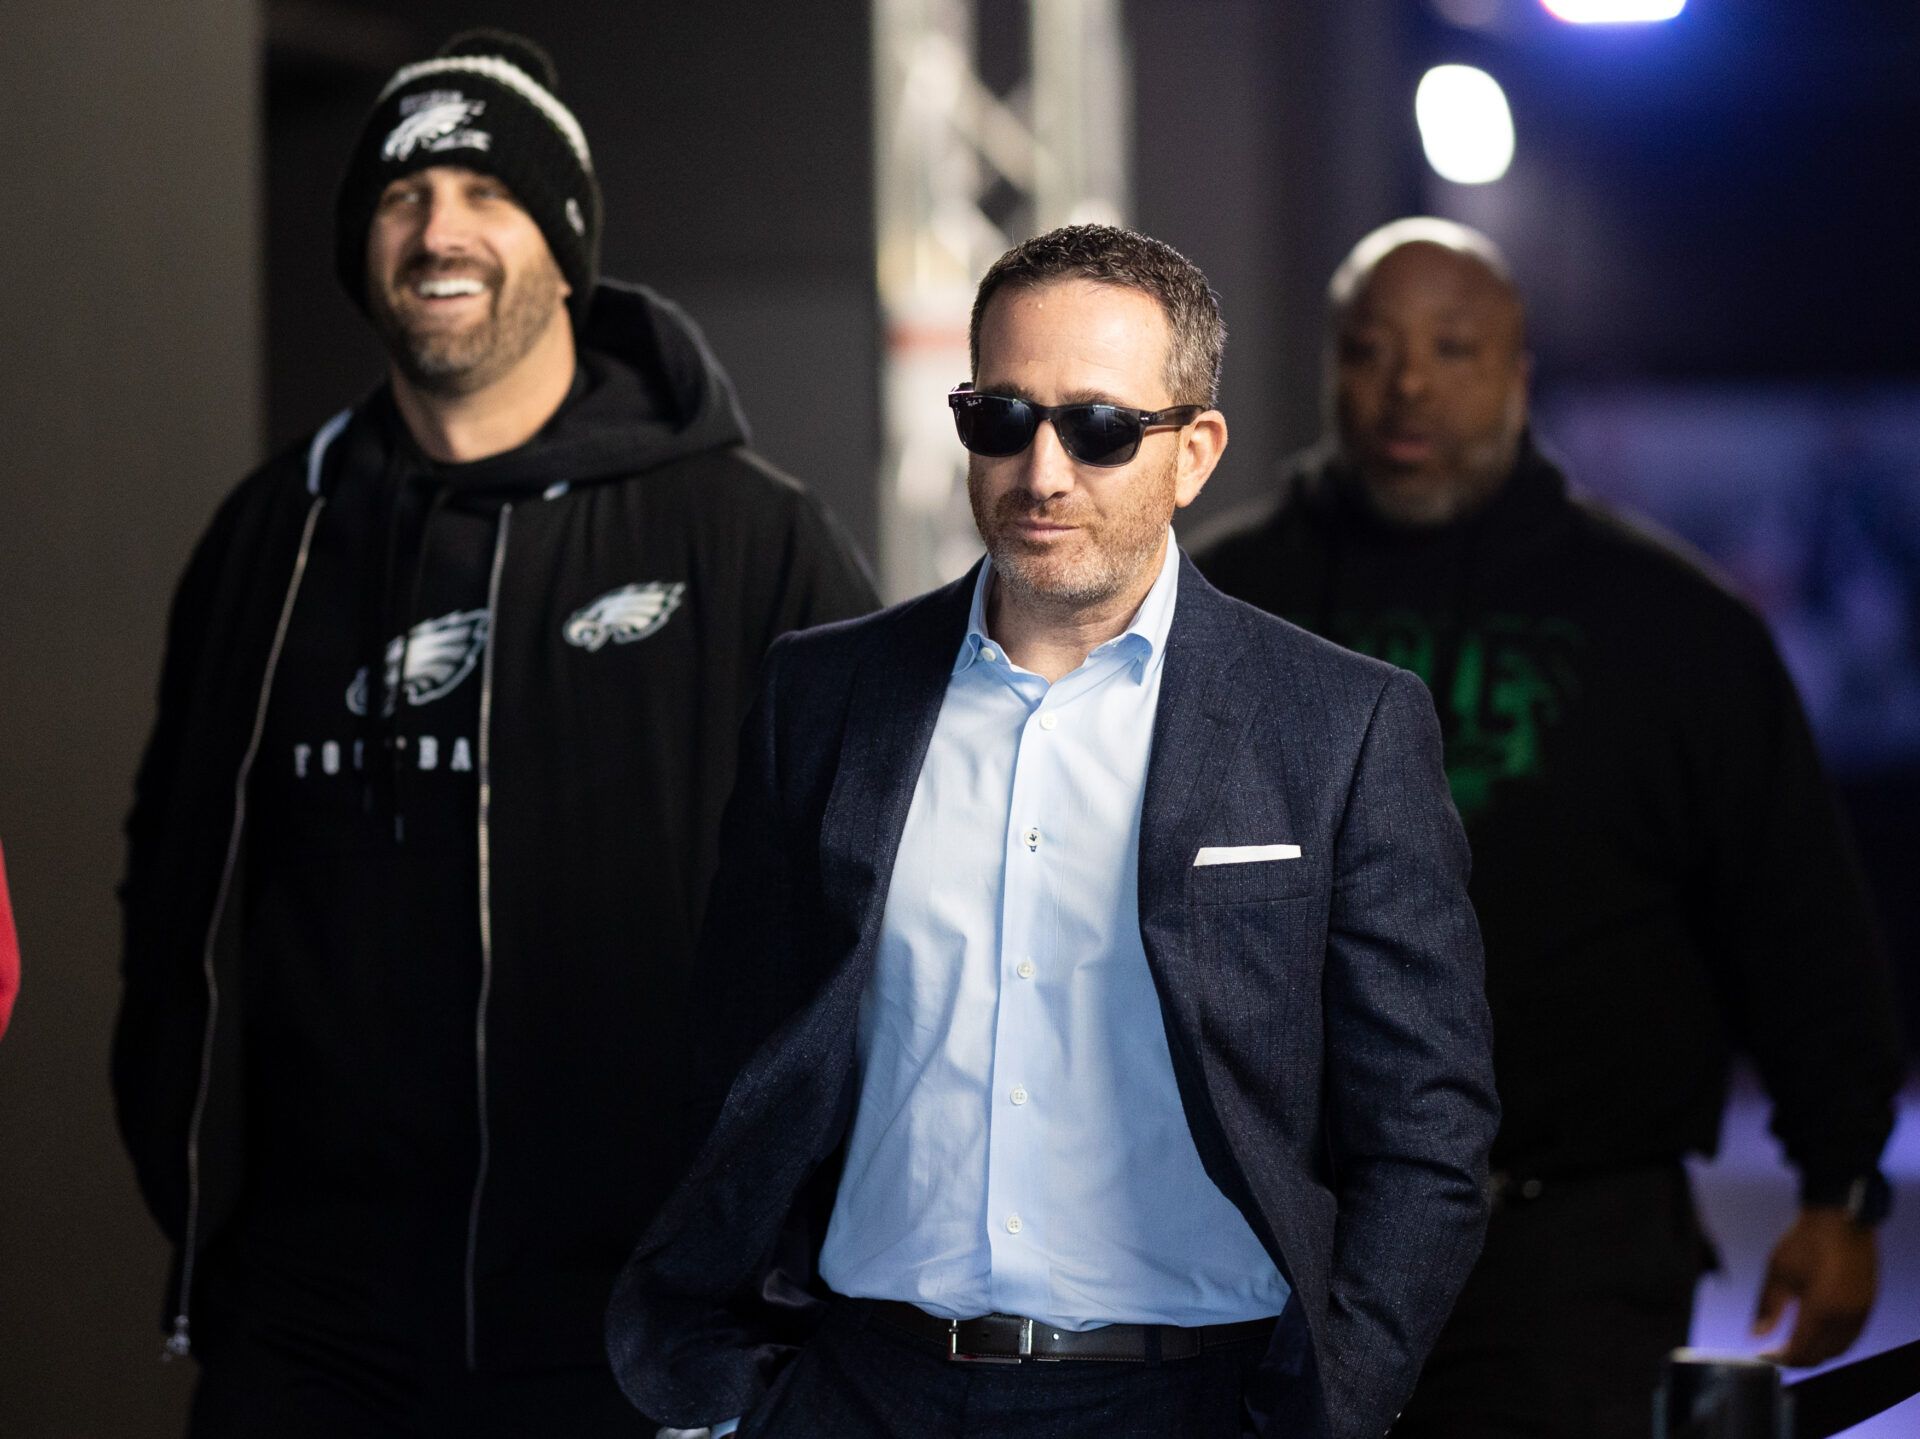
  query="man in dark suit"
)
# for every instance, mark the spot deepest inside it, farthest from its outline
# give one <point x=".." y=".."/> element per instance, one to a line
<point x="1099" y="956"/>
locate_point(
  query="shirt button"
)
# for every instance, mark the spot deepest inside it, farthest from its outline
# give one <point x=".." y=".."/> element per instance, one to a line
<point x="1013" y="1224"/>
<point x="1032" y="838"/>
<point x="987" y="654"/>
<point x="1049" y="720"/>
<point x="1025" y="969"/>
<point x="1019" y="1095"/>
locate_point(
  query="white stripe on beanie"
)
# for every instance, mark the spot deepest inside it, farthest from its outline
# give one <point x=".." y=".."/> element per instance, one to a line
<point x="502" y="72"/>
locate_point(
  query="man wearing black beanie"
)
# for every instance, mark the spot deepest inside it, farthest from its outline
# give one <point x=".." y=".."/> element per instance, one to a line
<point x="420" y="841"/>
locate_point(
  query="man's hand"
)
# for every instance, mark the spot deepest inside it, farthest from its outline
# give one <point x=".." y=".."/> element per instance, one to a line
<point x="1827" y="1266"/>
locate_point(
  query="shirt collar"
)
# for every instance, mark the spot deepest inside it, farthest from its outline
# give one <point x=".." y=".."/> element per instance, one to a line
<point x="1142" y="640"/>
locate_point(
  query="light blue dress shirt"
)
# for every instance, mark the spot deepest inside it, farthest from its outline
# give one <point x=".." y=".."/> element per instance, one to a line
<point x="1019" y="1145"/>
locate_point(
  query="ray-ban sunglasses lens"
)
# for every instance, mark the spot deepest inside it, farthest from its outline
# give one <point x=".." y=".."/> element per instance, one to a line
<point x="1106" y="435"/>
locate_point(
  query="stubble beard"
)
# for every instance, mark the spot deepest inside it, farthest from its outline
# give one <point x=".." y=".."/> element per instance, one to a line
<point x="1428" y="504"/>
<point x="1483" y="468"/>
<point x="1105" y="559"/>
<point x="460" y="362"/>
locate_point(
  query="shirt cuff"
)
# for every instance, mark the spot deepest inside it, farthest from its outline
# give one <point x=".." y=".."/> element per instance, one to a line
<point x="726" y="1427"/>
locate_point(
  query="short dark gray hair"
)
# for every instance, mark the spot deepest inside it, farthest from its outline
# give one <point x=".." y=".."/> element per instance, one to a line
<point x="1109" y="255"/>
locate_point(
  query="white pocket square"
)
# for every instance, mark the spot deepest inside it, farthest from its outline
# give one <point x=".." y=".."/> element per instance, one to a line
<point x="1244" y="853"/>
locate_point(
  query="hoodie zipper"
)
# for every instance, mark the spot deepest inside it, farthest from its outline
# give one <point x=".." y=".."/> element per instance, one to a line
<point x="180" y="1342"/>
<point x="485" y="857"/>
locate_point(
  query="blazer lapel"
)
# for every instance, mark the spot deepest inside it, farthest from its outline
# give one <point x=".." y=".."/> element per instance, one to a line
<point x="893" y="704"/>
<point x="1204" y="709"/>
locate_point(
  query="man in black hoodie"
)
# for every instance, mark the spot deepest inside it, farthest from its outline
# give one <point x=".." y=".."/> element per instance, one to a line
<point x="1659" y="868"/>
<point x="421" y="838"/>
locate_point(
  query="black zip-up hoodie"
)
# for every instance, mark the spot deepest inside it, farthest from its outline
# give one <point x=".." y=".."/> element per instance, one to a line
<point x="1659" y="868"/>
<point x="603" y="755"/>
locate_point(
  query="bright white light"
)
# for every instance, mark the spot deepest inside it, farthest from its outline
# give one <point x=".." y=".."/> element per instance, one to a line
<point x="1613" y="12"/>
<point x="1465" y="125"/>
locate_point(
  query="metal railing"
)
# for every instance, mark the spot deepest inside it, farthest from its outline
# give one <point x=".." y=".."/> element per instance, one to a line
<point x="963" y="169"/>
<point x="1706" y="1396"/>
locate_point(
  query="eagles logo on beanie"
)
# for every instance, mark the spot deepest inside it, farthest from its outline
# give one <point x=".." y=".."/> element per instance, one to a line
<point x="486" y="102"/>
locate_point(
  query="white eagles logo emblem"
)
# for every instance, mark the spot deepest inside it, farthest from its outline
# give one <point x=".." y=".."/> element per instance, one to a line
<point x="437" y="126"/>
<point x="438" y="653"/>
<point x="624" y="615"/>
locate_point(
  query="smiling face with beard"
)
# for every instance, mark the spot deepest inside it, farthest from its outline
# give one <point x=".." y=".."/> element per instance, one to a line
<point x="460" y="282"/>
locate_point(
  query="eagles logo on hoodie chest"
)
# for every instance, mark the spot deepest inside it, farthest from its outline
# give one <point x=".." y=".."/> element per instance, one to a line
<point x="624" y="616"/>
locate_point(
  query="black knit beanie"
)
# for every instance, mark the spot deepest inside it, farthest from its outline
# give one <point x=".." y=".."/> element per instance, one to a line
<point x="486" y="102"/>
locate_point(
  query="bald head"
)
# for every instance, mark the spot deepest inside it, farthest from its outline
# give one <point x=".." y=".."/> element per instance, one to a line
<point x="1427" y="375"/>
<point x="1365" y="257"/>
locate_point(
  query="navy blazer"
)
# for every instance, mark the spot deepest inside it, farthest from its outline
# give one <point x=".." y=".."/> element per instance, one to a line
<point x="1326" y="1015"/>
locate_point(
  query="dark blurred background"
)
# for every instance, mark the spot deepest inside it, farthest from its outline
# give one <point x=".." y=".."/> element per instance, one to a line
<point x="1703" y="214"/>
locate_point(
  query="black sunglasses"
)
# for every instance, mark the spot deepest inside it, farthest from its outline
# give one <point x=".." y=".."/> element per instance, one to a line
<point x="1104" y="435"/>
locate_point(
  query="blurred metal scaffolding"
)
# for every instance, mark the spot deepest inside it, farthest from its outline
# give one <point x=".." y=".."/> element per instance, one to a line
<point x="965" y="168"/>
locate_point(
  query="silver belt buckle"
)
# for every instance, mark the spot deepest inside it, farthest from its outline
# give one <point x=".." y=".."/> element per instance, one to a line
<point x="954" y="1354"/>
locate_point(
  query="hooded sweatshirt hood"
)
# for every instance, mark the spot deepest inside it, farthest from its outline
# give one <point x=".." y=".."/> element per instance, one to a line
<point x="1329" y="490"/>
<point x="647" y="390"/>
<point x="1342" y="540"/>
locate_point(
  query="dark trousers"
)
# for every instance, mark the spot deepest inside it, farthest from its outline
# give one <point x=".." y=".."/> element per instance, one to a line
<point x="860" y="1379"/>
<point x="258" y="1380"/>
<point x="1565" y="1323"/>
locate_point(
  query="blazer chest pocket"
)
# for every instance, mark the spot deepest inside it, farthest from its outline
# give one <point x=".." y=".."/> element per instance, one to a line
<point x="1250" y="881"/>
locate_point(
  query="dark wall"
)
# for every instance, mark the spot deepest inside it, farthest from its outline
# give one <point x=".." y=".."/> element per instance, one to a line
<point x="128" y="157"/>
<point x="1267" y="138"/>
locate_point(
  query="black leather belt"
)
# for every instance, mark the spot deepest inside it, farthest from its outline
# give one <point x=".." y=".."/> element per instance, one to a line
<point x="1009" y="1339"/>
<point x="1506" y="1188"/>
<point x="1510" y="1189"/>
